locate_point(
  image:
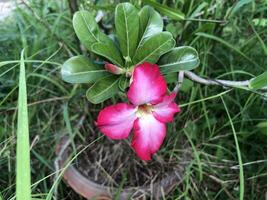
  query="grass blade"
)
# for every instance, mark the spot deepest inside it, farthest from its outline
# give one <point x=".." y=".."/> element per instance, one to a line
<point x="196" y="155"/>
<point x="23" y="178"/>
<point x="240" y="163"/>
<point x="259" y="82"/>
<point x="165" y="10"/>
<point x="227" y="44"/>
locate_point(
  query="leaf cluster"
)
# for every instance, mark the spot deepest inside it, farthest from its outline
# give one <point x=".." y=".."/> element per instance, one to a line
<point x="139" y="38"/>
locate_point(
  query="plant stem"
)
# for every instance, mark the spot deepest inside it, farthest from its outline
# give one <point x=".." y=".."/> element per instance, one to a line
<point x="225" y="83"/>
<point x="180" y="82"/>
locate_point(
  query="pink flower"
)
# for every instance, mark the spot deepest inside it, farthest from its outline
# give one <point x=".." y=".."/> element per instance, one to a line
<point x="149" y="111"/>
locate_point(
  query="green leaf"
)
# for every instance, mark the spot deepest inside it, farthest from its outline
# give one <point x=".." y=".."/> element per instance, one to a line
<point x="150" y="23"/>
<point x="179" y="58"/>
<point x="103" y="89"/>
<point x="79" y="69"/>
<point x="165" y="10"/>
<point x="86" y="28"/>
<point x="154" y="47"/>
<point x="127" y="29"/>
<point x="23" y="173"/>
<point x="259" y="82"/>
<point x="89" y="34"/>
<point x="109" y="51"/>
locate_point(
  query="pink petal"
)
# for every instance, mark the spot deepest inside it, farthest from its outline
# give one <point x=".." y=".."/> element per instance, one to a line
<point x="149" y="134"/>
<point x="165" y="110"/>
<point x="116" y="121"/>
<point x="148" y="85"/>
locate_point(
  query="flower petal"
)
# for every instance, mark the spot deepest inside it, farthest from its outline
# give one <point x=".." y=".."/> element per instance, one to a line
<point x="148" y="85"/>
<point x="165" y="110"/>
<point x="149" y="134"/>
<point x="116" y="121"/>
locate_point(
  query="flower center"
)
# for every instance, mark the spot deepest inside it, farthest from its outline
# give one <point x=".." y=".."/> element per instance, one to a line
<point x="144" y="110"/>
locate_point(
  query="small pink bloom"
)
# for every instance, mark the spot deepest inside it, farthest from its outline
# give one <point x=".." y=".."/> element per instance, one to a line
<point x="151" y="108"/>
<point x="114" y="69"/>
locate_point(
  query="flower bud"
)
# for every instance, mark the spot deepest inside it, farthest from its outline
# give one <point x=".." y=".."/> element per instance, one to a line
<point x="114" y="69"/>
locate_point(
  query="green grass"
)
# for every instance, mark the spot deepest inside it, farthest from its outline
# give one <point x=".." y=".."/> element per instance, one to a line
<point x="240" y="162"/>
<point x="229" y="149"/>
<point x="23" y="165"/>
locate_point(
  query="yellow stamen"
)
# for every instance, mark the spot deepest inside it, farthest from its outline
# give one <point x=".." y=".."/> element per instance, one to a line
<point x="144" y="110"/>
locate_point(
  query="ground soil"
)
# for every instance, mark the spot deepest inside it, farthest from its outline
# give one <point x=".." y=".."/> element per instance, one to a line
<point x="114" y="163"/>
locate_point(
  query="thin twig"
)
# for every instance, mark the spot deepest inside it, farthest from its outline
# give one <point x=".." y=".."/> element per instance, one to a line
<point x="225" y="83"/>
<point x="180" y="82"/>
<point x="249" y="163"/>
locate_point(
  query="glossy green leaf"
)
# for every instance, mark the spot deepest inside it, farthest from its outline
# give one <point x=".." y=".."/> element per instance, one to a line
<point x="109" y="51"/>
<point x="79" y="69"/>
<point x="86" y="28"/>
<point x="103" y="89"/>
<point x="179" y="58"/>
<point x="165" y="10"/>
<point x="127" y="28"/>
<point x="154" y="47"/>
<point x="89" y="34"/>
<point x="259" y="82"/>
<point x="151" y="23"/>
